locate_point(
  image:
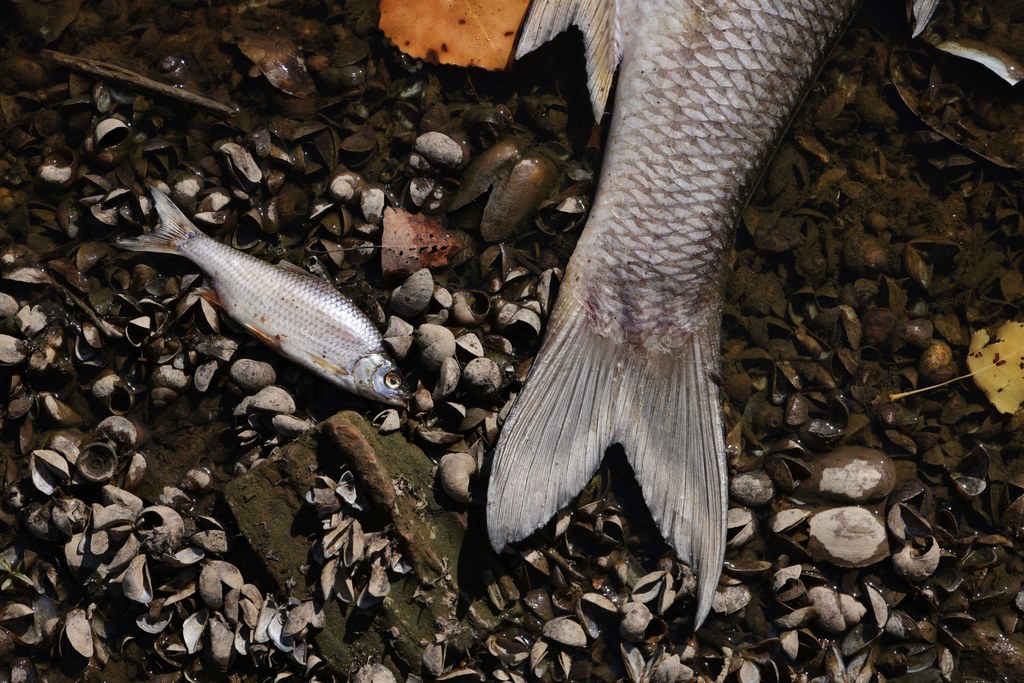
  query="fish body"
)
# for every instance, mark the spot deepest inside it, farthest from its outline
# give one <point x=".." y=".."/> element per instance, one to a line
<point x="299" y="315"/>
<point x="631" y="352"/>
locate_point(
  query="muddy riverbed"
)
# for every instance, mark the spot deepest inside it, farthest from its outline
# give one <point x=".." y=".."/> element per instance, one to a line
<point x="181" y="503"/>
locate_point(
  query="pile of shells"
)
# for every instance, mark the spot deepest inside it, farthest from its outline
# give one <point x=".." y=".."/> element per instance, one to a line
<point x="135" y="338"/>
<point x="869" y="537"/>
<point x="159" y="564"/>
<point x="354" y="565"/>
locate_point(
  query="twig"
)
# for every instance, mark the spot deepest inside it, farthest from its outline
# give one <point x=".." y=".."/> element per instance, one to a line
<point x="136" y="80"/>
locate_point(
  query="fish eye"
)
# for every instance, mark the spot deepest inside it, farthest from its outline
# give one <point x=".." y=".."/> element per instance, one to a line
<point x="392" y="380"/>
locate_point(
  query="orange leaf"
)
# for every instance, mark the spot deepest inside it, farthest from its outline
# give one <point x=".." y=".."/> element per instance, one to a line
<point x="458" y="32"/>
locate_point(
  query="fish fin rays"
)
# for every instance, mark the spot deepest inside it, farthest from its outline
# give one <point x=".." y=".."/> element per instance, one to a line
<point x="174" y="228"/>
<point x="289" y="267"/>
<point x="586" y="392"/>
<point x="554" y="437"/>
<point x="210" y="296"/>
<point x="672" y="435"/>
<point x="273" y="341"/>
<point x="597" y="19"/>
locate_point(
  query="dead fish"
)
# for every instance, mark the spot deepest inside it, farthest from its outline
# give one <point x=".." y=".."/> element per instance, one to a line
<point x="297" y="314"/>
<point x="631" y="352"/>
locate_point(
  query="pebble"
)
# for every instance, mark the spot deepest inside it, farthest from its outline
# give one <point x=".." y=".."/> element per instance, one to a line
<point x="850" y="536"/>
<point x="481" y="377"/>
<point x="752" y="489"/>
<point x="272" y="399"/>
<point x="290" y="426"/>
<point x="170" y="377"/>
<point x="440" y="149"/>
<point x="251" y="375"/>
<point x="851" y="474"/>
<point x="827" y="608"/>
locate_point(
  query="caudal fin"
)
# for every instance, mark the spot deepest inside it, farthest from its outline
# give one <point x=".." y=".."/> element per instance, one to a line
<point x="174" y="228"/>
<point x="585" y="393"/>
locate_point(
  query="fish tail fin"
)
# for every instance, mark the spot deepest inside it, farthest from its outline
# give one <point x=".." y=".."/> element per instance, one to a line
<point x="555" y="435"/>
<point x="672" y="434"/>
<point x="174" y="229"/>
<point x="602" y="40"/>
<point x="586" y="392"/>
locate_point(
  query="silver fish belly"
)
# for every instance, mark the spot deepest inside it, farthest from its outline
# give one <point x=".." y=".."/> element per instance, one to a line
<point x="632" y="347"/>
<point x="301" y="316"/>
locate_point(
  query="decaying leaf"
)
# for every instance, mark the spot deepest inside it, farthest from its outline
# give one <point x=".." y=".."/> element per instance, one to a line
<point x="413" y="241"/>
<point x="458" y="32"/>
<point x="998" y="365"/>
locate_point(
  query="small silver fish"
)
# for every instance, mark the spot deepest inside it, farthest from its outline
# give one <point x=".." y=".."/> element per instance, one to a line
<point x="290" y="310"/>
<point x="631" y="353"/>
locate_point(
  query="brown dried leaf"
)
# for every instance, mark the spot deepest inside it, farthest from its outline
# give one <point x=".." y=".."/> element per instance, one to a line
<point x="459" y="32"/>
<point x="411" y="242"/>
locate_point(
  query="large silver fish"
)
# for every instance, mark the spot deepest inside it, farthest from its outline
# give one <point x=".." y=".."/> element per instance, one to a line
<point x="299" y="315"/>
<point x="631" y="353"/>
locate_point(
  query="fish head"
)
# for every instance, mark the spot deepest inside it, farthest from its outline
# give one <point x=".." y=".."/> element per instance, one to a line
<point x="378" y="378"/>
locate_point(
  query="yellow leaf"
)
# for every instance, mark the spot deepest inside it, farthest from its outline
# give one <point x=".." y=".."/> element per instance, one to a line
<point x="997" y="366"/>
<point x="458" y="32"/>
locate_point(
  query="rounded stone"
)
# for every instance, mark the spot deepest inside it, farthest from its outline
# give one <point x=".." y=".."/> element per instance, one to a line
<point x="272" y="399"/>
<point x="170" y="377"/>
<point x="752" y="489"/>
<point x="440" y="149"/>
<point x="850" y="536"/>
<point x="251" y="375"/>
<point x="482" y="377"/>
<point x="851" y="474"/>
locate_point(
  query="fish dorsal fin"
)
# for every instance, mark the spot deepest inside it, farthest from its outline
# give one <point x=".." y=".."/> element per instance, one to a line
<point x="289" y="267"/>
<point x="598" y="19"/>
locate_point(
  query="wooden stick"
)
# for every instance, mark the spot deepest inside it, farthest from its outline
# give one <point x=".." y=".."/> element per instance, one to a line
<point x="136" y="80"/>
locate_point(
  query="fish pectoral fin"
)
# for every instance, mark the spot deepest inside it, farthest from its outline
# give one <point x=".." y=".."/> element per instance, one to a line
<point x="586" y="392"/>
<point x="210" y="295"/>
<point x="271" y="340"/>
<point x="601" y="38"/>
<point x="327" y="365"/>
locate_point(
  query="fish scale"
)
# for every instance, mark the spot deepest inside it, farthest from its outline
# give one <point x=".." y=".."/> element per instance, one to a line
<point x="631" y="353"/>
<point x="678" y="168"/>
<point x="301" y="305"/>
